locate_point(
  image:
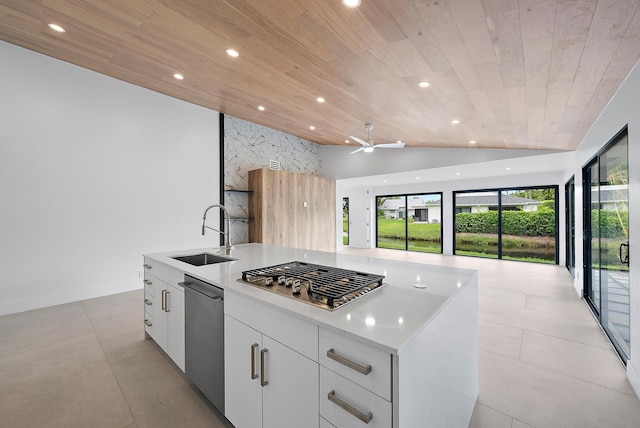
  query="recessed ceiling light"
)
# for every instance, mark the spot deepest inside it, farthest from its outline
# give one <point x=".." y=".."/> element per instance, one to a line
<point x="455" y="121"/>
<point x="232" y="52"/>
<point x="351" y="3"/>
<point x="424" y="84"/>
<point x="347" y="141"/>
<point x="417" y="178"/>
<point x="178" y="76"/>
<point x="261" y="108"/>
<point x="508" y="169"/>
<point x="57" y="28"/>
<point x="320" y="99"/>
<point x="312" y="127"/>
<point x="472" y="142"/>
<point x="457" y="173"/>
<point x="384" y="181"/>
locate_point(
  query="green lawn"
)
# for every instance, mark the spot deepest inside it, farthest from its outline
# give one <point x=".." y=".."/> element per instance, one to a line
<point x="395" y="229"/>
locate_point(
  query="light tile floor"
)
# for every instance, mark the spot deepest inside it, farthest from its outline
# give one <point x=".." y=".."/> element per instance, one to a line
<point x="543" y="360"/>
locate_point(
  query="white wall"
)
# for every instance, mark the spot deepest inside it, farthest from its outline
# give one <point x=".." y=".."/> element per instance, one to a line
<point x="622" y="110"/>
<point x="94" y="172"/>
<point x="337" y="163"/>
<point x="478" y="176"/>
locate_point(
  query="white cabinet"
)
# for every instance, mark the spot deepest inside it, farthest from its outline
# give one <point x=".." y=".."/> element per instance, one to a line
<point x="271" y="369"/>
<point x="355" y="382"/>
<point x="164" y="309"/>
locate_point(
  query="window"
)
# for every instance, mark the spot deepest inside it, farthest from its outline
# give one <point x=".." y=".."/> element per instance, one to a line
<point x="410" y="222"/>
<point x="514" y="224"/>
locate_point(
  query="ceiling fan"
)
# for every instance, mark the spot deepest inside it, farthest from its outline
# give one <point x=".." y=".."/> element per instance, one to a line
<point x="368" y="146"/>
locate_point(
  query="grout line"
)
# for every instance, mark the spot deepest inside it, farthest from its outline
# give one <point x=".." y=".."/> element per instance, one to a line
<point x="113" y="373"/>
<point x="521" y="343"/>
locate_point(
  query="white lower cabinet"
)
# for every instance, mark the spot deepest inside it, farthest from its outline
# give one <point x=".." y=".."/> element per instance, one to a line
<point x="164" y="311"/>
<point x="267" y="384"/>
<point x="325" y="424"/>
<point x="355" y="382"/>
<point x="348" y="405"/>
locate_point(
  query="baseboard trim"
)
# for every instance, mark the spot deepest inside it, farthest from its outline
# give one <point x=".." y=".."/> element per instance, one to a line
<point x="60" y="299"/>
<point x="634" y="377"/>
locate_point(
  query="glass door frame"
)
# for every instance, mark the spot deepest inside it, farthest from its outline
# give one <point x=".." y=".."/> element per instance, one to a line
<point x="570" y="225"/>
<point x="596" y="308"/>
<point x="406" y="196"/>
<point x="499" y="191"/>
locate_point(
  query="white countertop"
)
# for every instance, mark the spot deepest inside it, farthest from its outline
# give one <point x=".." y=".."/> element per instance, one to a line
<point x="389" y="317"/>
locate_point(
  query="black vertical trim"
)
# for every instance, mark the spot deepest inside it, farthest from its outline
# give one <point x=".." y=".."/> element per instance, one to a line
<point x="556" y="210"/>
<point x="406" y="222"/>
<point x="455" y="226"/>
<point x="500" y="224"/>
<point x="222" y="183"/>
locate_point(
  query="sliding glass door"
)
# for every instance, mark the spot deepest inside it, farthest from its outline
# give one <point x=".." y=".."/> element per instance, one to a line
<point x="606" y="220"/>
<point x="410" y="222"/>
<point x="513" y="224"/>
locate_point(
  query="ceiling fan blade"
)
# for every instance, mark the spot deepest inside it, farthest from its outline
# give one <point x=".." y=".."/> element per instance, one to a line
<point x="358" y="140"/>
<point x="356" y="151"/>
<point x="390" y="145"/>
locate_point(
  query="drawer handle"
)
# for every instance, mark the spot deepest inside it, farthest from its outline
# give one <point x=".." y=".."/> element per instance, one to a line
<point x="364" y="417"/>
<point x="365" y="370"/>
<point x="146" y="266"/>
<point x="148" y="302"/>
<point x="254" y="375"/>
<point x="148" y="323"/>
<point x="146" y="281"/>
<point x="263" y="380"/>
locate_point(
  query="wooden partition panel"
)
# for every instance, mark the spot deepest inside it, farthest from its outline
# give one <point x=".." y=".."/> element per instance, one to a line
<point x="292" y="210"/>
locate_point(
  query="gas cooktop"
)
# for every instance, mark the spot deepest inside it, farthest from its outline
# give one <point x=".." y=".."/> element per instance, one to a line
<point x="322" y="286"/>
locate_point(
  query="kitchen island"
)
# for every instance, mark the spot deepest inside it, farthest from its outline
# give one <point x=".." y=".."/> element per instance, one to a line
<point x="403" y="355"/>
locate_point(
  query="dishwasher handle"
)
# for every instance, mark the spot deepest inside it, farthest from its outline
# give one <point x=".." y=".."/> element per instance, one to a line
<point x="211" y="291"/>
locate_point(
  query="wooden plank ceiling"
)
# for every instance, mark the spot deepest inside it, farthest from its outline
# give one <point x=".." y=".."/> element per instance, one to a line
<point x="530" y="74"/>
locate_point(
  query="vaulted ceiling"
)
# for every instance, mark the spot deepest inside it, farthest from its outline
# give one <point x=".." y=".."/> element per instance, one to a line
<point x="530" y="74"/>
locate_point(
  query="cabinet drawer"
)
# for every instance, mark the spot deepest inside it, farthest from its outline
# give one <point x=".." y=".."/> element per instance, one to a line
<point x="346" y="350"/>
<point x="167" y="274"/>
<point x="149" y="324"/>
<point x="148" y="284"/>
<point x="148" y="266"/>
<point x="325" y="424"/>
<point x="161" y="271"/>
<point x="347" y="393"/>
<point x="148" y="303"/>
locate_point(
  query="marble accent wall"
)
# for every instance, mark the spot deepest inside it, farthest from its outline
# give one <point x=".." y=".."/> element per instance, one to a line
<point x="250" y="146"/>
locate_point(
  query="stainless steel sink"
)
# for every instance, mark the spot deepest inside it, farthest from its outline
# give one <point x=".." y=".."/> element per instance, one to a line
<point x="203" y="259"/>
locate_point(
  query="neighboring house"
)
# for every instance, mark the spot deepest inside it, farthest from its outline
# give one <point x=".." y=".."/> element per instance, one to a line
<point x="488" y="201"/>
<point x="612" y="197"/>
<point x="420" y="210"/>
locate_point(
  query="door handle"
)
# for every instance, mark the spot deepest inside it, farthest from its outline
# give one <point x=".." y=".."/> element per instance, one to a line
<point x="254" y="375"/>
<point x="162" y="301"/>
<point x="263" y="377"/>
<point x="167" y="301"/>
<point x="624" y="256"/>
<point x="364" y="417"/>
<point x="365" y="370"/>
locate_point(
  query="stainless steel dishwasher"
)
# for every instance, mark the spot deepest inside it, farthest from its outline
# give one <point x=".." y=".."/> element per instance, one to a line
<point x="204" y="338"/>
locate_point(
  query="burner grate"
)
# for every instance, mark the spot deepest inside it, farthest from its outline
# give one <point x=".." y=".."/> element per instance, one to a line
<point x="330" y="282"/>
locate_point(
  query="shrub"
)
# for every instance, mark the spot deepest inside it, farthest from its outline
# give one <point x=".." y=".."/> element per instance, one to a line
<point x="521" y="223"/>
